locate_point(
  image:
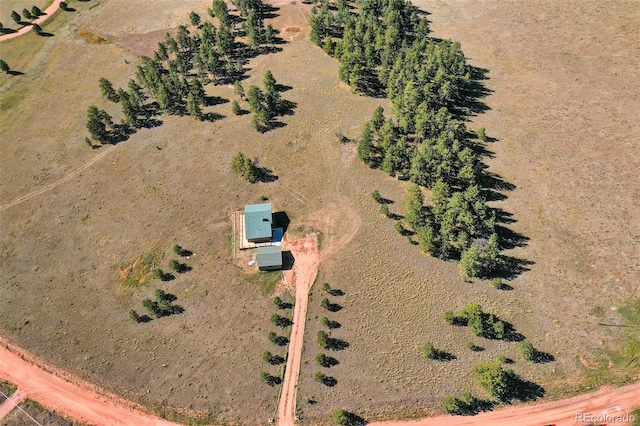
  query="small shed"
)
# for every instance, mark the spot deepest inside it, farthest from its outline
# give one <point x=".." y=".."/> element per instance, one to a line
<point x="270" y="258"/>
<point x="257" y="222"/>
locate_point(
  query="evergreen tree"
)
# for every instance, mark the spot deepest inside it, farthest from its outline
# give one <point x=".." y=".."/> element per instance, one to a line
<point x="235" y="108"/>
<point x="107" y="90"/>
<point x="366" y="149"/>
<point x="220" y="11"/>
<point x="4" y="67"/>
<point x="16" y="17"/>
<point x="99" y="123"/>
<point x="37" y="28"/>
<point x="35" y="10"/>
<point x="238" y="89"/>
<point x="194" y="18"/>
<point x="27" y="14"/>
<point x="193" y="107"/>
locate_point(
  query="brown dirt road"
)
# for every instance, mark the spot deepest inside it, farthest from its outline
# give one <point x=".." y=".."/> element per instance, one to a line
<point x="606" y="401"/>
<point x="300" y="278"/>
<point x="65" y="394"/>
<point x="48" y="13"/>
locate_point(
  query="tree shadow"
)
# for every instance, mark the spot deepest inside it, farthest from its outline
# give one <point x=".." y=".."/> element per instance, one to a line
<point x="522" y="390"/>
<point x="444" y="356"/>
<point x="214" y="100"/>
<point x="13" y="72"/>
<point x="336" y="292"/>
<point x="144" y="318"/>
<point x="336" y="344"/>
<point x="46" y="34"/>
<point x="265" y="175"/>
<point x="275" y="360"/>
<point x="212" y="116"/>
<point x="5" y="30"/>
<point x="329" y="361"/>
<point x="286" y="107"/>
<point x="469" y="102"/>
<point x="509" y="239"/>
<point x="283" y="88"/>
<point x="281" y="341"/>
<point x="511" y="267"/>
<point x="540" y="357"/>
<point x="333" y="324"/>
<point x="328" y="381"/>
<point x="333" y="307"/>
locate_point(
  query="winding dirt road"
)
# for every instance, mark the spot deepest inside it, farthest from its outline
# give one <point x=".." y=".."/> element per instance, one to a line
<point x="69" y="395"/>
<point x="300" y="278"/>
<point x="613" y="402"/>
<point x="48" y="12"/>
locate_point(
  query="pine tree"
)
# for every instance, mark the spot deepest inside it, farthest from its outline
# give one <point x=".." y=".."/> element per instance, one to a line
<point x="235" y="108"/>
<point x="194" y="18"/>
<point x="366" y="150"/>
<point x="107" y="90"/>
<point x="193" y="107"/>
<point x="16" y="17"/>
<point x="4" y="67"/>
<point x="99" y="123"/>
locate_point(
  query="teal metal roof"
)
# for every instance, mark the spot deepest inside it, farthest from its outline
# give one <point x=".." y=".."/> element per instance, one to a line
<point x="270" y="256"/>
<point x="257" y="221"/>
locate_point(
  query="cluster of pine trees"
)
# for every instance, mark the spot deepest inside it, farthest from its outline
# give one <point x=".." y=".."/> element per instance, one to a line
<point x="174" y="77"/>
<point x="385" y="48"/>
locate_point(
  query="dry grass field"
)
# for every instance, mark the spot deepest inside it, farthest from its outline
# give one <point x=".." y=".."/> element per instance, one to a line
<point x="564" y="115"/>
<point x="31" y="413"/>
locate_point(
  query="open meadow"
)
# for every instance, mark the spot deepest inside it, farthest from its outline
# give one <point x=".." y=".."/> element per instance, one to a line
<point x="82" y="229"/>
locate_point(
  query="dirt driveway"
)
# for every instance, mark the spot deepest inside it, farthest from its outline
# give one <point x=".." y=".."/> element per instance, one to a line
<point x="300" y="278"/>
<point x="60" y="392"/>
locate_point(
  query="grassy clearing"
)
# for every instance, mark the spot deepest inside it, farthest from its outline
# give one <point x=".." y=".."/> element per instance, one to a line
<point x="140" y="271"/>
<point x="266" y="281"/>
<point x="7" y="390"/>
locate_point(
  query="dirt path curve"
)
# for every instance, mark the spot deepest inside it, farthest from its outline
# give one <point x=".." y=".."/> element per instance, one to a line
<point x="607" y="400"/>
<point x="48" y="13"/>
<point x="300" y="278"/>
<point x="59" y="181"/>
<point x="66" y="394"/>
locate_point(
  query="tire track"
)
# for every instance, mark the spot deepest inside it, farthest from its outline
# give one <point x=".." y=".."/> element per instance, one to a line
<point x="59" y="182"/>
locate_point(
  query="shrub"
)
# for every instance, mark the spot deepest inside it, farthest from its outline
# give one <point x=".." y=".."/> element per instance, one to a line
<point x="235" y="108"/>
<point x="526" y="350"/>
<point x="429" y="351"/>
<point x="320" y="377"/>
<point x="472" y="346"/>
<point x="376" y="196"/>
<point x="452" y="405"/>
<point x="325" y="303"/>
<point x="134" y="315"/>
<point x="323" y="339"/>
<point x="449" y="317"/>
<point x="384" y="209"/>
<point x="321" y="359"/>
<point x="497" y="283"/>
<point x="340" y="417"/>
<point x="493" y="378"/>
<point x="326" y="287"/>
<point x="278" y="301"/>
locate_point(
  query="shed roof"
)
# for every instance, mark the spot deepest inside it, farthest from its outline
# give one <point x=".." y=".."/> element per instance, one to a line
<point x="270" y="256"/>
<point x="257" y="221"/>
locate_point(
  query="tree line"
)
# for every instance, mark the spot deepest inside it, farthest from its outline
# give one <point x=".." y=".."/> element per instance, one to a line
<point x="384" y="49"/>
